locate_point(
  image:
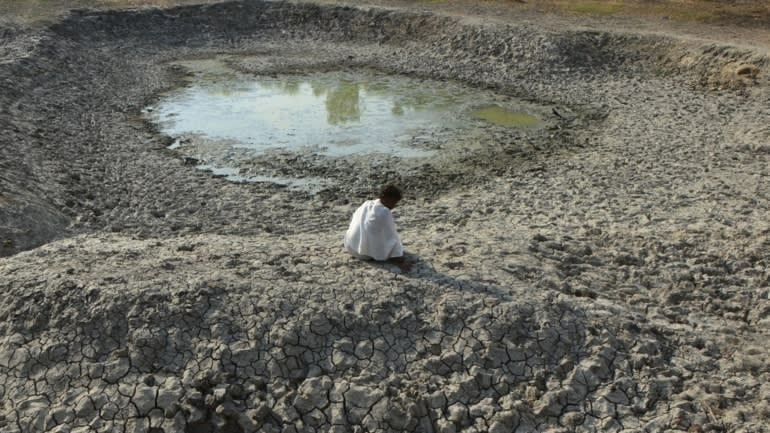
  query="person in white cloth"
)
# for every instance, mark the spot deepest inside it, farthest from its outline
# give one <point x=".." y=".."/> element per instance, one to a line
<point x="372" y="233"/>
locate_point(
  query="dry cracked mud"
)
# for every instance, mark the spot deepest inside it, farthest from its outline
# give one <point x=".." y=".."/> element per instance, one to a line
<point x="606" y="273"/>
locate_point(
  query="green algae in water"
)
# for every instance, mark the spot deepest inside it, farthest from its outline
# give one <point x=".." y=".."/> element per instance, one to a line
<point x="501" y="116"/>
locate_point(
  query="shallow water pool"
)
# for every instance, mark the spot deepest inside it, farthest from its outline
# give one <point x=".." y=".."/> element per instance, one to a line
<point x="331" y="114"/>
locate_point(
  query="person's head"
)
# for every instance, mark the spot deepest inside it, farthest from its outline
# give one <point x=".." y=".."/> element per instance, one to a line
<point x="390" y="196"/>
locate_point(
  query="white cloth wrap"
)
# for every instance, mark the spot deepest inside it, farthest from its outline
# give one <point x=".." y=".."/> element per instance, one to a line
<point x="372" y="232"/>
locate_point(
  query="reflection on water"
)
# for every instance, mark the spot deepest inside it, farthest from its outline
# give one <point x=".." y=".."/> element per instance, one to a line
<point x="335" y="114"/>
<point x="342" y="99"/>
<point x="343" y="103"/>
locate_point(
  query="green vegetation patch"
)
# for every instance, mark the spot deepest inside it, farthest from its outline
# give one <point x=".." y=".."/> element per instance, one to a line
<point x="501" y="116"/>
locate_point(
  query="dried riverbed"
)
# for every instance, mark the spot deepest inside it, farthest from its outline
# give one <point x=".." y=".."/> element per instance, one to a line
<point x="607" y="272"/>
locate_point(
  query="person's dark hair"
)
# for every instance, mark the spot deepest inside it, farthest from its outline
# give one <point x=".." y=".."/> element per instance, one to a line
<point x="391" y="191"/>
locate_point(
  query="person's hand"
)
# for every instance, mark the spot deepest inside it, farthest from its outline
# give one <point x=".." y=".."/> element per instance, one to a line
<point x="402" y="263"/>
<point x="405" y="266"/>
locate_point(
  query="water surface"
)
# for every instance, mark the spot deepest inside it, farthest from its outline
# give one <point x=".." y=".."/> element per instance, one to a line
<point x="331" y="114"/>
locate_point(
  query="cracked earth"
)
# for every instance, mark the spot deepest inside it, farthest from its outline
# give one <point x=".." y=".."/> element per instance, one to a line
<point x="605" y="273"/>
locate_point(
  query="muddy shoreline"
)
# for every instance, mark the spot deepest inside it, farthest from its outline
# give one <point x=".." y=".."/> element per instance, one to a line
<point x="607" y="273"/>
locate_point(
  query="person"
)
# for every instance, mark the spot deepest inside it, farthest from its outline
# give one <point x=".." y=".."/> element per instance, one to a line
<point x="372" y="232"/>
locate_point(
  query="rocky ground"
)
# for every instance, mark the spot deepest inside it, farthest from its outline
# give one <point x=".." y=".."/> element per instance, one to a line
<point x="608" y="273"/>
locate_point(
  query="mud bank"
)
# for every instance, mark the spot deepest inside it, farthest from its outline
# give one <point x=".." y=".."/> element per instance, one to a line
<point x="605" y="273"/>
